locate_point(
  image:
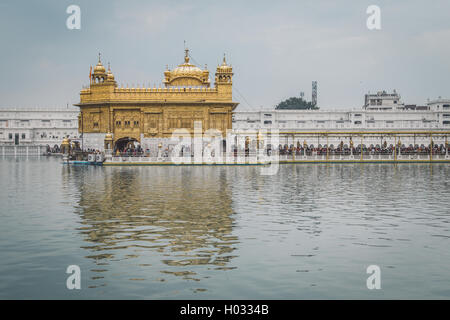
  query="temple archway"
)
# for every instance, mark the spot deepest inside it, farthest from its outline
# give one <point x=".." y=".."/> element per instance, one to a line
<point x="125" y="143"/>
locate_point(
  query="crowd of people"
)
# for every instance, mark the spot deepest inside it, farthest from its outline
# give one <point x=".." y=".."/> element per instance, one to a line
<point x="129" y="151"/>
<point x="299" y="150"/>
<point x="367" y="150"/>
<point x="54" y="149"/>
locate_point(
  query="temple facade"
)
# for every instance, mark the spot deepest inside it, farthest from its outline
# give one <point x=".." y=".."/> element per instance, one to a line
<point x="117" y="118"/>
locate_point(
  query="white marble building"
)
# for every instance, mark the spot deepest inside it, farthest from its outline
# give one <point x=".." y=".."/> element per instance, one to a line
<point x="37" y="126"/>
<point x="382" y="113"/>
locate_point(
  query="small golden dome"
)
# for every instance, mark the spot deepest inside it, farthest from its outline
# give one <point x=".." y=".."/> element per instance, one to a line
<point x="99" y="68"/>
<point x="108" y="136"/>
<point x="224" y="67"/>
<point x="109" y="74"/>
<point x="65" y="142"/>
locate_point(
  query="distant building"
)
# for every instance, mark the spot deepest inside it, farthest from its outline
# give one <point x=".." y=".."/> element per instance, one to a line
<point x="383" y="101"/>
<point x="382" y="112"/>
<point x="439" y="105"/>
<point x="37" y="126"/>
<point x="416" y="107"/>
<point x="342" y="120"/>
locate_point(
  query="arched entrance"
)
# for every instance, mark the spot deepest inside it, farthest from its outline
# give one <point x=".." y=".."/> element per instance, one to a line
<point x="125" y="143"/>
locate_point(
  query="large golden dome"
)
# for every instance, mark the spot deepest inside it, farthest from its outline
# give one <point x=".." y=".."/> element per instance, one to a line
<point x="188" y="70"/>
<point x="187" y="74"/>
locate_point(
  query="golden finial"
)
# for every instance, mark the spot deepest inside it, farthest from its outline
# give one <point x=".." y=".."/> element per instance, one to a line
<point x="186" y="55"/>
<point x="99" y="57"/>
<point x="224" y="60"/>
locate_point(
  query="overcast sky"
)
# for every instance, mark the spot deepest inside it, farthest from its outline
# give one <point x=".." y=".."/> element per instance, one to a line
<point x="276" y="48"/>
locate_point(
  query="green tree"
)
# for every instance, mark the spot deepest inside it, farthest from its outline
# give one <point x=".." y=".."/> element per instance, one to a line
<point x="295" y="103"/>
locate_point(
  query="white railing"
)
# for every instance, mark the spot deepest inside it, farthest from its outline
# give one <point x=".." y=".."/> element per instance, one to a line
<point x="253" y="157"/>
<point x="21" y="151"/>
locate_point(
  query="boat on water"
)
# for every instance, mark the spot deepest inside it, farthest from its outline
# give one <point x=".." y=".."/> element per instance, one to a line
<point x="93" y="159"/>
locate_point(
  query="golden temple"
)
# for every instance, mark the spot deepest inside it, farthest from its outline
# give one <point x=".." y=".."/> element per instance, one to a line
<point x="113" y="117"/>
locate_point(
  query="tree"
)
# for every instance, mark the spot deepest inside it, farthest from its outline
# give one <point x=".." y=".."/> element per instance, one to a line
<point x="295" y="103"/>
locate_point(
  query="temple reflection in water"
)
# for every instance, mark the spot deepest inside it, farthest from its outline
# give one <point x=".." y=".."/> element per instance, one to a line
<point x="137" y="213"/>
